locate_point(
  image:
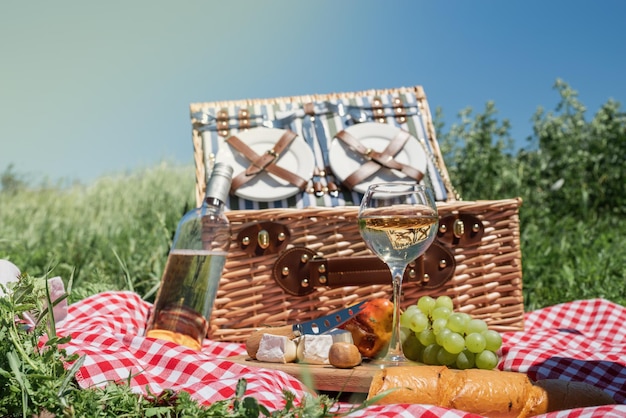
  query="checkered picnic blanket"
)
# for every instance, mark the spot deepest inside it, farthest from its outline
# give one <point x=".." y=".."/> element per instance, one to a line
<point x="581" y="340"/>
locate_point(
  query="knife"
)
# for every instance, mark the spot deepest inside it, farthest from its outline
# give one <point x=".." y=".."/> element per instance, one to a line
<point x="326" y="323"/>
<point x="316" y="326"/>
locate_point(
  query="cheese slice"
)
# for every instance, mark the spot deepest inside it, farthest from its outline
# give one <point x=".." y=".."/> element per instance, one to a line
<point x="341" y="336"/>
<point x="276" y="349"/>
<point x="313" y="349"/>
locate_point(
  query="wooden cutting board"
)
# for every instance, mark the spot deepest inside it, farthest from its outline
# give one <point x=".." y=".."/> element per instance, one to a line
<point x="320" y="377"/>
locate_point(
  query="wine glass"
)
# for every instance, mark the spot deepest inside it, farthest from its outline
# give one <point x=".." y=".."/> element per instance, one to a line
<point x="398" y="222"/>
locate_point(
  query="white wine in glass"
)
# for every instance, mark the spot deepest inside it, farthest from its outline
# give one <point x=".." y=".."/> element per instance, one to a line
<point x="398" y="222"/>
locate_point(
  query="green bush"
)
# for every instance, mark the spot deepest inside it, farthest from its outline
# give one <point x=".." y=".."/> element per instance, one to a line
<point x="571" y="180"/>
<point x="478" y="155"/>
<point x="579" y="165"/>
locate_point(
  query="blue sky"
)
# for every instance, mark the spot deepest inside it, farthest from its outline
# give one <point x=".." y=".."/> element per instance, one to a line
<point x="89" y="89"/>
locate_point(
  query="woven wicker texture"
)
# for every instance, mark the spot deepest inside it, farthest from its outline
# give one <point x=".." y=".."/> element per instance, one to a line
<point x="487" y="281"/>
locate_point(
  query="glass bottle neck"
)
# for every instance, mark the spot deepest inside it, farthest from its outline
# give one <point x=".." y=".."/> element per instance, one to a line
<point x="212" y="203"/>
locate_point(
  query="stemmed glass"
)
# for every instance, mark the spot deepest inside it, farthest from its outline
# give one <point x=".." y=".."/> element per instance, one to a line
<point x="398" y="222"/>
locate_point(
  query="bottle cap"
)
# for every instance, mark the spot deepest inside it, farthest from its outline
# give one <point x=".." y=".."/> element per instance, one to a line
<point x="219" y="182"/>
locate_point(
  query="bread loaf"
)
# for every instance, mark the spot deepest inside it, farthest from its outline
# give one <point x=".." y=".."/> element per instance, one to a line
<point x="490" y="393"/>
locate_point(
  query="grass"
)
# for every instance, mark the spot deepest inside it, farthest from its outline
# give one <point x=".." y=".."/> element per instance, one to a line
<point x="569" y="259"/>
<point x="115" y="234"/>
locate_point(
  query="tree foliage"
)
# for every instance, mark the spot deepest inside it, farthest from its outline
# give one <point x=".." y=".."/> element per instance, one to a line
<point x="571" y="180"/>
<point x="478" y="153"/>
<point x="573" y="167"/>
<point x="579" y="166"/>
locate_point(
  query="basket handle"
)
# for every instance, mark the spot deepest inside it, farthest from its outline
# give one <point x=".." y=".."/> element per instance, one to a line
<point x="299" y="270"/>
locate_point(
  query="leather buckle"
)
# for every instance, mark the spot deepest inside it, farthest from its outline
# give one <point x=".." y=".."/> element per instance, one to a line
<point x="461" y="229"/>
<point x="263" y="238"/>
<point x="300" y="270"/>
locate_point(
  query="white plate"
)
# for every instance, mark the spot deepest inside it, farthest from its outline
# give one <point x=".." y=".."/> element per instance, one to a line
<point x="264" y="187"/>
<point x="374" y="135"/>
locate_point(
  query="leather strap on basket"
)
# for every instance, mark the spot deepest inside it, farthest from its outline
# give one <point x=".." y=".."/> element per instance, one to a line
<point x="378" y="160"/>
<point x="299" y="270"/>
<point x="265" y="162"/>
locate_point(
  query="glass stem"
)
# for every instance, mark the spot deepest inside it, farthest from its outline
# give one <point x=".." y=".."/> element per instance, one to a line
<point x="395" y="344"/>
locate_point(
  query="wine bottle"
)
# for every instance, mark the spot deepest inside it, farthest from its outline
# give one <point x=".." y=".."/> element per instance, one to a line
<point x="194" y="266"/>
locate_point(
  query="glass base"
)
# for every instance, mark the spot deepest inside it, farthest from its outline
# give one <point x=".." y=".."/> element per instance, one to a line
<point x="393" y="360"/>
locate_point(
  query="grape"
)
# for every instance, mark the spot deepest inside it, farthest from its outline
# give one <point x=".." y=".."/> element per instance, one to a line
<point x="493" y="339"/>
<point x="426" y="304"/>
<point x="465" y="360"/>
<point x="444" y="301"/>
<point x="419" y="323"/>
<point x="475" y="325"/>
<point x="429" y="355"/>
<point x="404" y="333"/>
<point x="453" y="342"/>
<point x="475" y="342"/>
<point x="442" y="335"/>
<point x="446" y="358"/>
<point x="412" y="308"/>
<point x="465" y="317"/>
<point x="405" y="318"/>
<point x="426" y="337"/>
<point x="486" y="360"/>
<point x="441" y="312"/>
<point x="433" y="333"/>
<point x="457" y="322"/>
<point x="408" y="313"/>
<point x="414" y="319"/>
<point x="438" y="325"/>
<point x="412" y="348"/>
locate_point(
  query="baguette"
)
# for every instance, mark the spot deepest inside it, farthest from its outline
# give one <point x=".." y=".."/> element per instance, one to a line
<point x="490" y="393"/>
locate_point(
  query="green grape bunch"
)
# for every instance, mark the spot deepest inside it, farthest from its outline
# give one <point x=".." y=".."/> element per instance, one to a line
<point x="434" y="334"/>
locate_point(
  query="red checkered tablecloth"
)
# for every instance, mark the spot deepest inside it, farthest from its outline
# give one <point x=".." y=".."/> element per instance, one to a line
<point x="582" y="340"/>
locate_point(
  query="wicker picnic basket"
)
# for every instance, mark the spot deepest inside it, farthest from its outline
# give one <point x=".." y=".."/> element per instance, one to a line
<point x="313" y="235"/>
